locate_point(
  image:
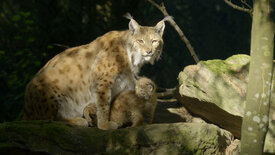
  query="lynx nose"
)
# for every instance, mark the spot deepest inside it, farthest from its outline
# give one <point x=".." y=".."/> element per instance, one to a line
<point x="149" y="52"/>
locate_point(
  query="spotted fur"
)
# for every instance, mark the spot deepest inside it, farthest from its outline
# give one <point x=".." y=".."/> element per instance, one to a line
<point x="130" y="106"/>
<point x="92" y="73"/>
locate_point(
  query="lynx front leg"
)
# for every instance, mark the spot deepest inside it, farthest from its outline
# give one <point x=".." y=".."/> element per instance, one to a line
<point x="137" y="119"/>
<point x="103" y="101"/>
<point x="149" y="114"/>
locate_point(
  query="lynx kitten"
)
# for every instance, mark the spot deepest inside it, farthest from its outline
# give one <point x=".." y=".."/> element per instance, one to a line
<point x="130" y="106"/>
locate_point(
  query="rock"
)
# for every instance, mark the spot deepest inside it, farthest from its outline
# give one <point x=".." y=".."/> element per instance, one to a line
<point x="212" y="89"/>
<point x="44" y="137"/>
<point x="216" y="91"/>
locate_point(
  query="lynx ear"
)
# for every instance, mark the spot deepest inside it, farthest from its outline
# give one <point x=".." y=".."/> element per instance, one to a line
<point x="133" y="25"/>
<point x="161" y="25"/>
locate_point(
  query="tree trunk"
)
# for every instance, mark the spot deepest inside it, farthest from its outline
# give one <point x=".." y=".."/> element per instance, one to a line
<point x="255" y="121"/>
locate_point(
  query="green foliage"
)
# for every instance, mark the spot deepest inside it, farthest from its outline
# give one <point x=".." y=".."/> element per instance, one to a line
<point x="16" y="44"/>
<point x="30" y="30"/>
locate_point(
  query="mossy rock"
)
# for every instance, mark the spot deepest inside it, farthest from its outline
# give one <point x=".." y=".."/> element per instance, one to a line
<point x="216" y="90"/>
<point x="217" y="82"/>
<point x="231" y="65"/>
<point x="44" y="137"/>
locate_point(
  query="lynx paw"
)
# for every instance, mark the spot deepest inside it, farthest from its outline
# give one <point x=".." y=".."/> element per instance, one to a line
<point x="113" y="125"/>
<point x="78" y="121"/>
<point x="107" y="125"/>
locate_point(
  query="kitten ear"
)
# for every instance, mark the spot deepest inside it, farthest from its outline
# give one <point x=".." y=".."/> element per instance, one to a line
<point x="133" y="25"/>
<point x="151" y="87"/>
<point x="161" y="25"/>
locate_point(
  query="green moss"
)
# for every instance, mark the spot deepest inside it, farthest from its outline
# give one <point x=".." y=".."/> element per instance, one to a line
<point x="217" y="66"/>
<point x="118" y="144"/>
<point x="33" y="134"/>
<point x="61" y="138"/>
<point x="228" y="66"/>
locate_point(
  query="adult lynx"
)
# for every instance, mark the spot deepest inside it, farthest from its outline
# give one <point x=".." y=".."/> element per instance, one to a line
<point x="92" y="73"/>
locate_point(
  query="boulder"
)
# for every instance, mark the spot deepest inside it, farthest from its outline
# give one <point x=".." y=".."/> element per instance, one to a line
<point x="44" y="137"/>
<point x="216" y="91"/>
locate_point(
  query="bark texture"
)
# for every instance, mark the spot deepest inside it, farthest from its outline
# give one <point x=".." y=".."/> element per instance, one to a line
<point x="256" y="117"/>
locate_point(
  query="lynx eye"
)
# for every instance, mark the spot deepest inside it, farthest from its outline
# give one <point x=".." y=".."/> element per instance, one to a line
<point x="154" y="41"/>
<point x="140" y="41"/>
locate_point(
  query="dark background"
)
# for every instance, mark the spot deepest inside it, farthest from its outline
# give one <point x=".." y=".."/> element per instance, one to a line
<point x="30" y="30"/>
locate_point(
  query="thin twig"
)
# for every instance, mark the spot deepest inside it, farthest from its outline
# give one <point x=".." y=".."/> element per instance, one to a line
<point x="62" y="46"/>
<point x="246" y="4"/>
<point x="167" y="100"/>
<point x="167" y="89"/>
<point x="234" y="6"/>
<point x="166" y="93"/>
<point x="176" y="27"/>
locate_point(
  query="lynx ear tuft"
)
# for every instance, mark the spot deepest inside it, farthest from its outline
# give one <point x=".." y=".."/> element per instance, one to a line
<point x="128" y="16"/>
<point x="133" y="25"/>
<point x="161" y="25"/>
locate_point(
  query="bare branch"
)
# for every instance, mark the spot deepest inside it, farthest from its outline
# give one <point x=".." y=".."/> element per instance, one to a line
<point x="176" y="27"/>
<point x="234" y="6"/>
<point x="169" y="89"/>
<point x="167" y="100"/>
<point x="246" y="4"/>
<point x="166" y="93"/>
<point x="62" y="46"/>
